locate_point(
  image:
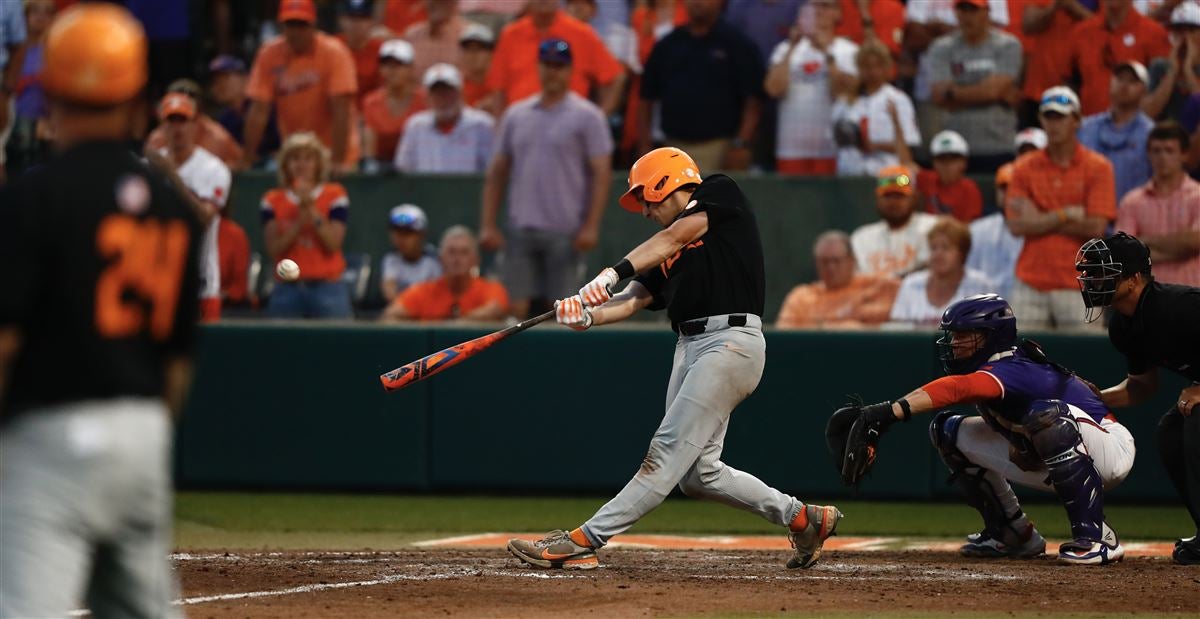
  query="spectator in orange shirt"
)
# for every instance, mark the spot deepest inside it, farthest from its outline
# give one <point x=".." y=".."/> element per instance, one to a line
<point x="1098" y="44"/>
<point x="514" y="74"/>
<point x="476" y="45"/>
<point x="233" y="260"/>
<point x="1046" y="26"/>
<point x="309" y="76"/>
<point x="459" y="294"/>
<point x="882" y="20"/>
<point x="304" y="219"/>
<point x="842" y="299"/>
<point x="400" y="15"/>
<point x="210" y="135"/>
<point x="357" y="22"/>
<point x="1059" y="197"/>
<point x="946" y="189"/>
<point x="389" y="107"/>
<point x="436" y="39"/>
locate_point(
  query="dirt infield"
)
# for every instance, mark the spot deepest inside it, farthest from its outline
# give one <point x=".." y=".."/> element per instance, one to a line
<point x="431" y="582"/>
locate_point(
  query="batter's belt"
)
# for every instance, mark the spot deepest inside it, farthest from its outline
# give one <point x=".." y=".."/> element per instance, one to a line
<point x="716" y="323"/>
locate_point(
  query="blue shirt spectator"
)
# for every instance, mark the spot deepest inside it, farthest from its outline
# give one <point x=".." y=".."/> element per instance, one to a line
<point x="12" y="30"/>
<point x="1120" y="132"/>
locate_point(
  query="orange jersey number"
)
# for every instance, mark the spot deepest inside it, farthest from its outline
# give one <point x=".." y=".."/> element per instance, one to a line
<point x="140" y="287"/>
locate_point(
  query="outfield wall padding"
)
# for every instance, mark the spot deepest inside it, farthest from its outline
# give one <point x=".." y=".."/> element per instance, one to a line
<point x="296" y="406"/>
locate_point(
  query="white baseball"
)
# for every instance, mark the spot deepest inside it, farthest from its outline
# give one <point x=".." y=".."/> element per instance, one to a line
<point x="287" y="270"/>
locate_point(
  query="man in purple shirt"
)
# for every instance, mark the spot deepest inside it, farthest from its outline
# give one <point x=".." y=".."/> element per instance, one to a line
<point x="553" y="153"/>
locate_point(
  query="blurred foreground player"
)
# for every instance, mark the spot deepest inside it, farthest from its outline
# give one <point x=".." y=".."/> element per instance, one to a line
<point x="98" y="264"/>
<point x="706" y="269"/>
<point x="1154" y="325"/>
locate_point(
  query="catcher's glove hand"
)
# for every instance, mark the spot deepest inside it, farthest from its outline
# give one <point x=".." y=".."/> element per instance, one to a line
<point x="852" y="435"/>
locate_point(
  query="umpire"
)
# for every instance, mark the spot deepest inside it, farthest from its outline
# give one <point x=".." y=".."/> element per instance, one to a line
<point x="99" y="278"/>
<point x="1153" y="325"/>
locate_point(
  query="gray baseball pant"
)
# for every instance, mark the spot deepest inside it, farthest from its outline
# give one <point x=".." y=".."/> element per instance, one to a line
<point x="712" y="373"/>
<point x="85" y="511"/>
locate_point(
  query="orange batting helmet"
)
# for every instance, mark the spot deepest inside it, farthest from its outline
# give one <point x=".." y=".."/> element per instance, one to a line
<point x="95" y="54"/>
<point x="658" y="173"/>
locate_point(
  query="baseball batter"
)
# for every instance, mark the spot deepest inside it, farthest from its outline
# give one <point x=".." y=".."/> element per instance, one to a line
<point x="98" y="266"/>
<point x="1039" y="425"/>
<point x="706" y="269"/>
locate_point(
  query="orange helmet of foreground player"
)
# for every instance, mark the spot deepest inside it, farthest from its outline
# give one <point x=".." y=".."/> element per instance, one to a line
<point x="658" y="173"/>
<point x="95" y="54"/>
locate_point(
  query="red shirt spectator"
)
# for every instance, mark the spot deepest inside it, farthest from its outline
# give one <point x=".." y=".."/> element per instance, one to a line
<point x="1118" y="34"/>
<point x="358" y="25"/>
<point x="400" y="15"/>
<point x="960" y="198"/>
<point x="887" y="17"/>
<point x="514" y="64"/>
<point x="233" y="258"/>
<point x="475" y="57"/>
<point x="387" y="109"/>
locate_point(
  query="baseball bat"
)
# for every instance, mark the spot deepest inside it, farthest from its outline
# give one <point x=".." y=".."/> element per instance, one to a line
<point x="429" y="365"/>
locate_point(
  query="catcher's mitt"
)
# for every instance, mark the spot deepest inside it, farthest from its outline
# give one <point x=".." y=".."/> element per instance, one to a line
<point x="852" y="436"/>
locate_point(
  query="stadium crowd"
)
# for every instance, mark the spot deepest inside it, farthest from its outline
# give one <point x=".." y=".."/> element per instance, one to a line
<point x="1085" y="111"/>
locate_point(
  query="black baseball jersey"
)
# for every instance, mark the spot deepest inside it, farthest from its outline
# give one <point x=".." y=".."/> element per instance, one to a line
<point x="722" y="271"/>
<point x="98" y="268"/>
<point x="1163" y="331"/>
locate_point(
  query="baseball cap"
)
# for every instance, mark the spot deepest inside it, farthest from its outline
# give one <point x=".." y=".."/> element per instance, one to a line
<point x="979" y="4"/>
<point x="298" y="10"/>
<point x="397" y="49"/>
<point x="894" y="179"/>
<point x="1059" y="99"/>
<point x="408" y="216"/>
<point x="443" y="73"/>
<point x="1030" y="136"/>
<point x="1139" y="70"/>
<point x="176" y="104"/>
<point x="1186" y="14"/>
<point x="554" y="51"/>
<point x="1004" y="175"/>
<point x="226" y="64"/>
<point x="358" y="8"/>
<point x="477" y="33"/>
<point x="948" y="143"/>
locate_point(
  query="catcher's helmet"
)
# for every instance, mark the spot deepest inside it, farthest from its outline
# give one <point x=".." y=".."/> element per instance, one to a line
<point x="989" y="314"/>
<point x="658" y="173"/>
<point x="1102" y="262"/>
<point x="95" y="54"/>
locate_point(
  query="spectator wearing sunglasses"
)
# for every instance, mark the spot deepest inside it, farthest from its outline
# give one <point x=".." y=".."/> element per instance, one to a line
<point x="1120" y="132"/>
<point x="1118" y="33"/>
<point x="413" y="260"/>
<point x="1059" y="197"/>
<point x="896" y="245"/>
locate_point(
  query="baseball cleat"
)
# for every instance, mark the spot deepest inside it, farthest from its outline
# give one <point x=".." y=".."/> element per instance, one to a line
<point x="822" y="523"/>
<point x="556" y="550"/>
<point x="983" y="546"/>
<point x="1187" y="551"/>
<point x="1107" y="549"/>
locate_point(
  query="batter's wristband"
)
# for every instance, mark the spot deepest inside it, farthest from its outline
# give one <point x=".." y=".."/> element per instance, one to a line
<point x="624" y="269"/>
<point x="905" y="408"/>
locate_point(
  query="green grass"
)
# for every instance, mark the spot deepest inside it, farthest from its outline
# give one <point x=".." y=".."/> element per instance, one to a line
<point x="268" y="520"/>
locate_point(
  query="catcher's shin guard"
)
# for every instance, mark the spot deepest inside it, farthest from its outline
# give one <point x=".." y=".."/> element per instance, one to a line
<point x="1055" y="436"/>
<point x="970" y="479"/>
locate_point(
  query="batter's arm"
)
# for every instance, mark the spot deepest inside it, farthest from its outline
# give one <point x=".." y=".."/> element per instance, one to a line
<point x="655" y="250"/>
<point x="623" y="305"/>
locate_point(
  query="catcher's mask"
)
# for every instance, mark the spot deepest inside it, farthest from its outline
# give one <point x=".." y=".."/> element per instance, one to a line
<point x="1102" y="263"/>
<point x="988" y="314"/>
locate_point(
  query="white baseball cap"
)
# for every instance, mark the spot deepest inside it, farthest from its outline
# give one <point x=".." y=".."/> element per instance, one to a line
<point x="408" y="216"/>
<point x="1186" y="14"/>
<point x="477" y="33"/>
<point x="397" y="49"/>
<point x="948" y="143"/>
<point x="1059" y="99"/>
<point x="1139" y="69"/>
<point x="1030" y="136"/>
<point x="443" y="73"/>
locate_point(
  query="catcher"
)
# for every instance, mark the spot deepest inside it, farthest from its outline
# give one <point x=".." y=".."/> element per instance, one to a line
<point x="1038" y="425"/>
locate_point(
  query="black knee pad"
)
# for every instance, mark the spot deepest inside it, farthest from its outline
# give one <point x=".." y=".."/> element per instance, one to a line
<point x="943" y="433"/>
<point x="1055" y="435"/>
<point x="1053" y="431"/>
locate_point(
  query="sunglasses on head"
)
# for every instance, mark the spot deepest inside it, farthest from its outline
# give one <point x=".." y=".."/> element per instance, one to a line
<point x="1059" y="99"/>
<point x="899" y="180"/>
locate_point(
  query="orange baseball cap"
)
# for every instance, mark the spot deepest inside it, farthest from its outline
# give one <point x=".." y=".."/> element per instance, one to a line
<point x="298" y="10"/>
<point x="95" y="53"/>
<point x="176" y="104"/>
<point x="895" y="179"/>
<point x="1004" y="175"/>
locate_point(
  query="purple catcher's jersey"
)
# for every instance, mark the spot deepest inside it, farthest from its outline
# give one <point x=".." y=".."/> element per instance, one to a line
<point x="1024" y="381"/>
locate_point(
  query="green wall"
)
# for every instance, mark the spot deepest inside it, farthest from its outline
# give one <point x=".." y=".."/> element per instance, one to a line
<point x="791" y="213"/>
<point x="300" y="406"/>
